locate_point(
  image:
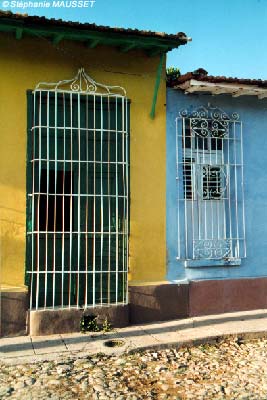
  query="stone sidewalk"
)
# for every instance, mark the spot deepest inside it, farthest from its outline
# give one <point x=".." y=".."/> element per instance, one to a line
<point x="190" y="331"/>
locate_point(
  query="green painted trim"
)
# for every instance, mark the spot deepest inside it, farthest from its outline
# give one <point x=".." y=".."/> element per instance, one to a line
<point x="19" y="32"/>
<point x="154" y="52"/>
<point x="127" y="47"/>
<point x="28" y="184"/>
<point x="156" y="89"/>
<point x="115" y="39"/>
<point x="57" y="39"/>
<point x="93" y="43"/>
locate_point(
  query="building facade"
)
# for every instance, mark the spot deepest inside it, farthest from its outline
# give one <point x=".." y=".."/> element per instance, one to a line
<point x="216" y="186"/>
<point x="83" y="175"/>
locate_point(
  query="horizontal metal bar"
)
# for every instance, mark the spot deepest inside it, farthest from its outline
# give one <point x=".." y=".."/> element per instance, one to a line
<point x="76" y="232"/>
<point x="75" y="271"/>
<point x="71" y="128"/>
<point x="65" y="195"/>
<point x="213" y="137"/>
<point x="215" y="164"/>
<point x="80" y="161"/>
<point x="230" y="121"/>
<point x="85" y="93"/>
<point x="81" y="306"/>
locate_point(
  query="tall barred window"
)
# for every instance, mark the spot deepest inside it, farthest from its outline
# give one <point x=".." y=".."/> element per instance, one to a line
<point x="210" y="186"/>
<point x="77" y="194"/>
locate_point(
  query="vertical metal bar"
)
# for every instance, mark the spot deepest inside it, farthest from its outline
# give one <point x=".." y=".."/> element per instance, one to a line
<point x="218" y="182"/>
<point x="79" y="199"/>
<point x="202" y="192"/>
<point x="127" y="201"/>
<point x="102" y="209"/>
<point x="63" y="203"/>
<point x="47" y="194"/>
<point x="185" y="193"/>
<point x="242" y="190"/>
<point x="236" y="197"/>
<point x="38" y="206"/>
<point x="33" y="197"/>
<point x="211" y="202"/>
<point x="109" y="235"/>
<point x="192" y="199"/>
<point x="197" y="179"/>
<point x="94" y="211"/>
<point x="71" y="198"/>
<point x="178" y="190"/>
<point x="124" y="203"/>
<point x="55" y="206"/>
<point x="117" y="204"/>
<point x="86" y="205"/>
<point x="229" y="191"/>
<point x="224" y="192"/>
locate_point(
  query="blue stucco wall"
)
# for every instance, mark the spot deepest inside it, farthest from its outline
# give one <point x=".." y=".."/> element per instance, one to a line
<point x="253" y="114"/>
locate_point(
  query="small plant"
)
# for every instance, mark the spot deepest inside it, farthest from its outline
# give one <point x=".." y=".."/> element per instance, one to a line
<point x="172" y="74"/>
<point x="203" y="348"/>
<point x="89" y="324"/>
<point x="106" y="326"/>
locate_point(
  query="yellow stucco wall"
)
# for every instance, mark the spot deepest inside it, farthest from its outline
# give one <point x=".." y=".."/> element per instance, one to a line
<point x="24" y="63"/>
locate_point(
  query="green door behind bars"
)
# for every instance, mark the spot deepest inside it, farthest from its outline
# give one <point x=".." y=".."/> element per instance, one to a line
<point x="76" y="188"/>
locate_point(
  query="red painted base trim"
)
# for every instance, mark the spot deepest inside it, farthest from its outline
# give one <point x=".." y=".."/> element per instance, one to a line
<point x="13" y="313"/>
<point x="221" y="296"/>
<point x="158" y="302"/>
<point x="146" y="304"/>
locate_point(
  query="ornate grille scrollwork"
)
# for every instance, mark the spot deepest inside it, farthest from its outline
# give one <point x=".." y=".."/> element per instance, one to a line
<point x="215" y="248"/>
<point x="209" y="122"/>
<point x="82" y="83"/>
<point x="214" y="182"/>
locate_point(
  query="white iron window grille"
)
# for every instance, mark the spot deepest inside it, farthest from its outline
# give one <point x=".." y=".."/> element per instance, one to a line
<point x="210" y="185"/>
<point x="77" y="194"/>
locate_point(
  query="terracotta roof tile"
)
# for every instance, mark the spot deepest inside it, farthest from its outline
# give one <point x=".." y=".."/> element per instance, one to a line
<point x="42" y="21"/>
<point x="202" y="75"/>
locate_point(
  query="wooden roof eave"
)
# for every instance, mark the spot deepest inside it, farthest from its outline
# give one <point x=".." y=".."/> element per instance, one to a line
<point x="153" y="46"/>
<point x="235" y="90"/>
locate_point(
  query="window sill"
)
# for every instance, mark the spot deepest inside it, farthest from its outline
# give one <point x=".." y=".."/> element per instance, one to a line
<point x="230" y="262"/>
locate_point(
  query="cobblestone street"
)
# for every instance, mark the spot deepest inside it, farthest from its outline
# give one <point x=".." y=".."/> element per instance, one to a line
<point x="230" y="369"/>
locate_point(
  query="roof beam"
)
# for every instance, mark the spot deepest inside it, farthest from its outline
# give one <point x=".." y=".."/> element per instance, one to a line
<point x="92" y="43"/>
<point x="57" y="38"/>
<point x="19" y="32"/>
<point x="262" y="95"/>
<point x="127" y="47"/>
<point x="190" y="90"/>
<point x="219" y="91"/>
<point x="200" y="88"/>
<point x="155" y="52"/>
<point x="244" y="92"/>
